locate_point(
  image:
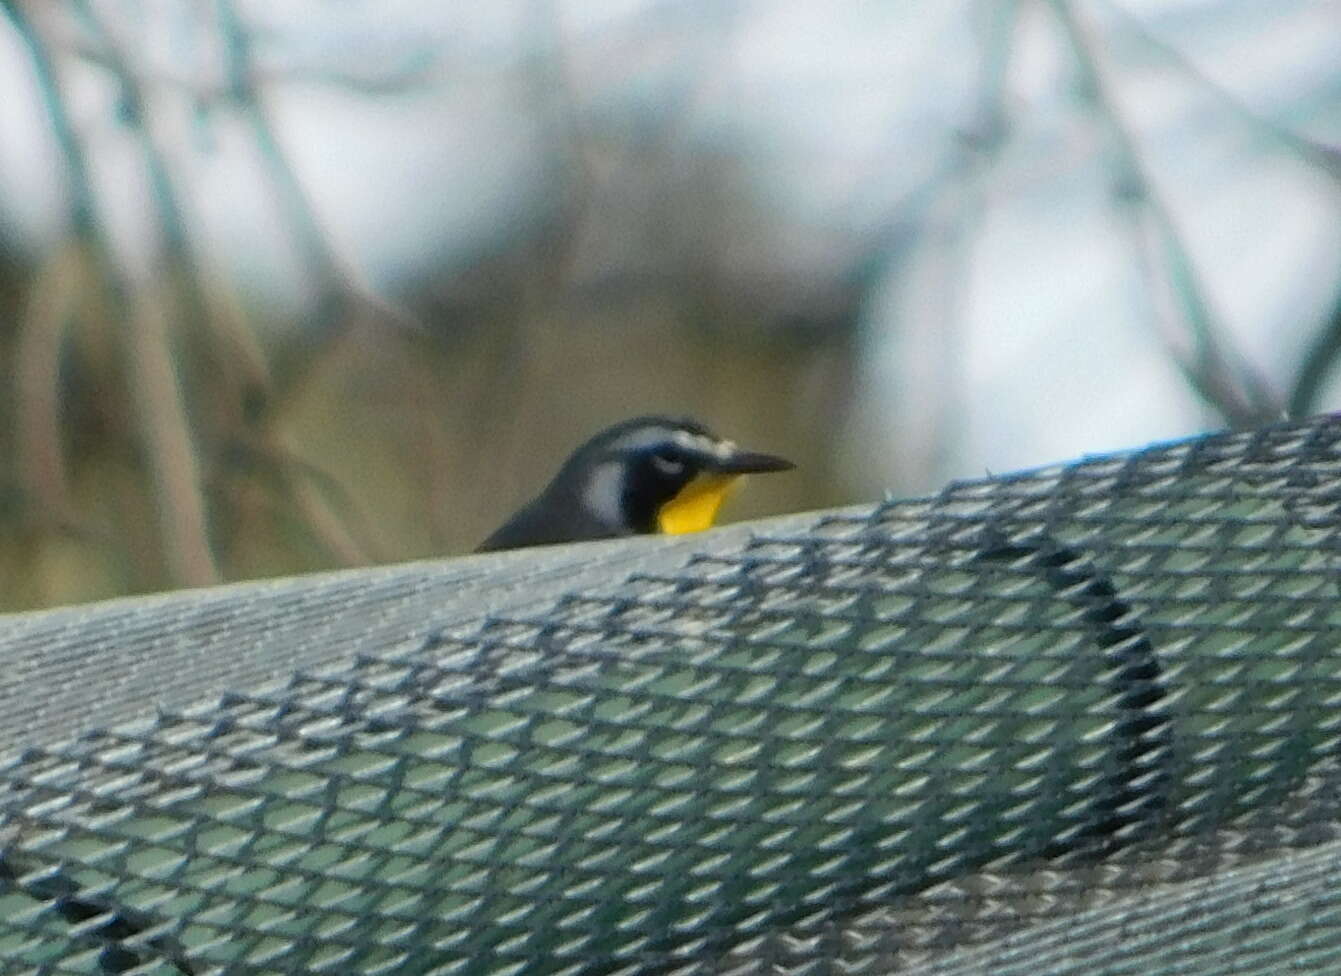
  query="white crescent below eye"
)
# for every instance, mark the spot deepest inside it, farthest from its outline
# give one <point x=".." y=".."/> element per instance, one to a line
<point x="667" y="465"/>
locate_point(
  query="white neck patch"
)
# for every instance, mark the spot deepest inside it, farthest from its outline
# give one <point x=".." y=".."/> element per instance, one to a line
<point x="603" y="496"/>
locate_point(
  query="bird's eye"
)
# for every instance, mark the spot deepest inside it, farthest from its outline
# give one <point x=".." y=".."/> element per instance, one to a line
<point x="666" y="464"/>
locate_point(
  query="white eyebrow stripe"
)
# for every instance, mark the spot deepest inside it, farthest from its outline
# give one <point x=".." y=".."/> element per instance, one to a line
<point x="699" y="444"/>
<point x="693" y="443"/>
<point x="646" y="437"/>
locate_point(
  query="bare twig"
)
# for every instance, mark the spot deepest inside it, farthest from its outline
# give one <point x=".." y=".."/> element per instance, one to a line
<point x="1323" y="352"/>
<point x="1319" y="361"/>
<point x="161" y="406"/>
<point x="177" y="243"/>
<point x="83" y="215"/>
<point x="1196" y="340"/>
<point x="205" y="298"/>
<point x="931" y="327"/>
<point x="326" y="523"/>
<point x="243" y="374"/>
<point x="335" y="275"/>
<point x="80" y="277"/>
<point x="157" y="391"/>
<point x="413" y="71"/>
<point x="326" y="507"/>
<point x="42" y="333"/>
<point x="171" y="454"/>
<point x="1324" y="157"/>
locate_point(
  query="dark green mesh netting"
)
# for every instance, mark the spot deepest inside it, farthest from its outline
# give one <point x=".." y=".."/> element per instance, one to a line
<point x="1080" y="720"/>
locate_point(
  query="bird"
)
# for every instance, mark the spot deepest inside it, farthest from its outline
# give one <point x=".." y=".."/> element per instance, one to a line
<point x="642" y="476"/>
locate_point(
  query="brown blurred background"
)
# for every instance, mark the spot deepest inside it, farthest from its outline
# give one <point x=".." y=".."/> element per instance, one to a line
<point x="301" y="285"/>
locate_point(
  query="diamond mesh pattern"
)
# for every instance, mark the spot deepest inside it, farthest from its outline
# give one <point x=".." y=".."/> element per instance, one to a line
<point x="905" y="739"/>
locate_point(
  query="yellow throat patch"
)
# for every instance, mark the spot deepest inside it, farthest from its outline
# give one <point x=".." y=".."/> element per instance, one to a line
<point x="695" y="507"/>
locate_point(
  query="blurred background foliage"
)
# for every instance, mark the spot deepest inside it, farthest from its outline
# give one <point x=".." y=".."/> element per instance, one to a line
<point x="305" y="284"/>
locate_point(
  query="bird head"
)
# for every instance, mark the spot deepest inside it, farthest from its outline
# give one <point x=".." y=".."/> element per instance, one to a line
<point x="646" y="475"/>
<point x="655" y="474"/>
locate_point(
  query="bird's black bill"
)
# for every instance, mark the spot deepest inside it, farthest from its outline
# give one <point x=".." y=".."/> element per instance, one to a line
<point x="750" y="462"/>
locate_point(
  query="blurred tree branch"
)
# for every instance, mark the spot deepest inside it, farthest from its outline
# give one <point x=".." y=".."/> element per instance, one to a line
<point x="1320" y="360"/>
<point x="168" y="440"/>
<point x="948" y="218"/>
<point x="145" y="311"/>
<point x="148" y="309"/>
<point x="1324" y="350"/>
<point x="347" y="293"/>
<point x="1324" y="157"/>
<point x="158" y="301"/>
<point x="53" y="301"/>
<point x="1196" y="341"/>
<point x="78" y="281"/>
